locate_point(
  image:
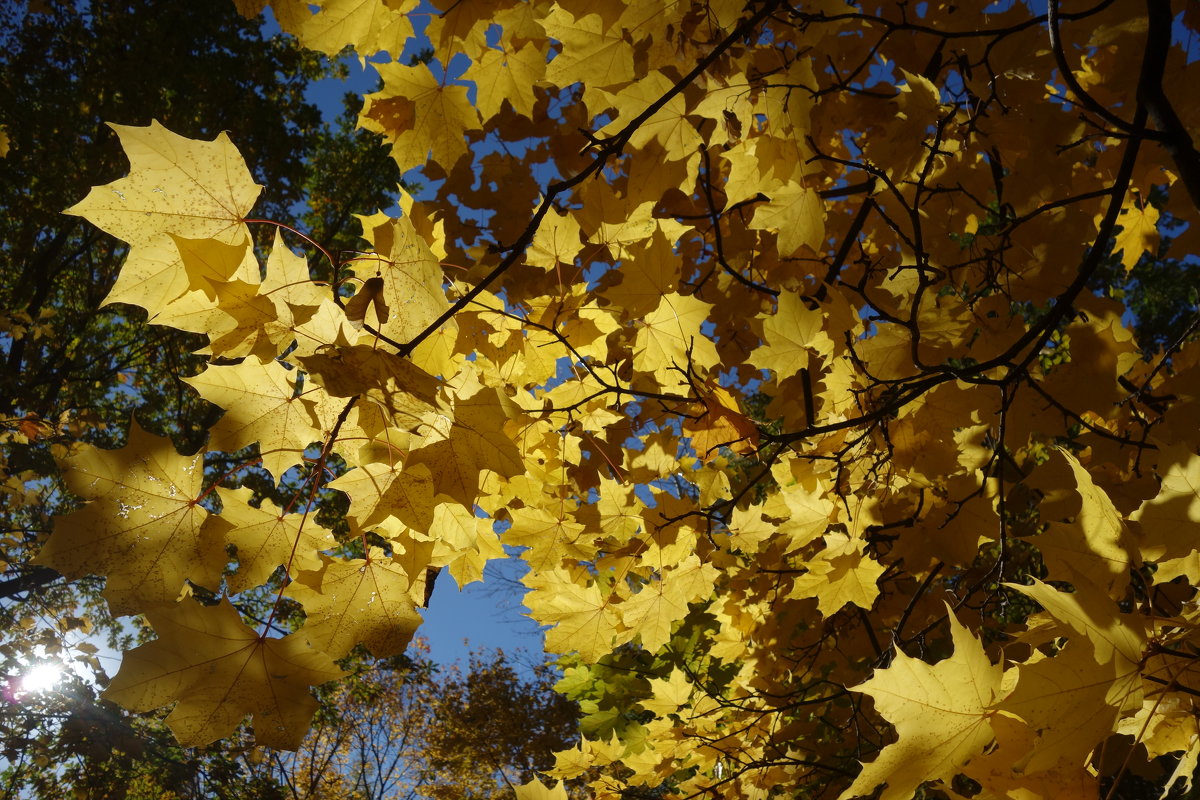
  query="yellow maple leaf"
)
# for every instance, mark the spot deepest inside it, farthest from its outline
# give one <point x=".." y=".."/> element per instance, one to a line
<point x="1139" y="231"/>
<point x="457" y="449"/>
<point x="669" y="694"/>
<point x="420" y="116"/>
<point x="663" y="601"/>
<point x="239" y="322"/>
<point x="288" y="283"/>
<point x="652" y="270"/>
<point x="266" y="538"/>
<point x="536" y="790"/>
<point x="722" y="424"/>
<point x="670" y="337"/>
<point x="371" y="26"/>
<point x="748" y="530"/>
<point x="1074" y="699"/>
<point x="994" y="770"/>
<point x="669" y="125"/>
<point x="210" y="262"/>
<point x="841" y="573"/>
<point x="388" y="490"/>
<point x="464" y="543"/>
<point x="550" y="537"/>
<point x="582" y="617"/>
<point x="141" y="527"/>
<point x="462" y="27"/>
<point x="507" y="76"/>
<point x="152" y="276"/>
<point x="217" y="670"/>
<point x="797" y="215"/>
<point x="1094" y="541"/>
<point x="356" y="601"/>
<point x="898" y="144"/>
<point x="555" y="242"/>
<point x="809" y="508"/>
<point x="1072" y="703"/>
<point x="176" y="185"/>
<point x="592" y="52"/>
<point x="794" y="336"/>
<point x="249" y="323"/>
<point x="261" y="405"/>
<point x="1170" y="520"/>
<point x="942" y="715"/>
<point x="405" y="390"/>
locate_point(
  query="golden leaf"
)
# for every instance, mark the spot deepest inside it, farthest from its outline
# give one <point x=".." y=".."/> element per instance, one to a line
<point x="217" y="670"/>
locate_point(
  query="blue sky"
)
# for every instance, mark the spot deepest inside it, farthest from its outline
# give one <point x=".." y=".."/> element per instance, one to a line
<point x="487" y="614"/>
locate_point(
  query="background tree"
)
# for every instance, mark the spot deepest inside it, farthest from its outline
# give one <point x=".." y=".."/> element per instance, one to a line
<point x="400" y="729"/>
<point x="858" y="248"/>
<point x="430" y="733"/>
<point x="479" y="737"/>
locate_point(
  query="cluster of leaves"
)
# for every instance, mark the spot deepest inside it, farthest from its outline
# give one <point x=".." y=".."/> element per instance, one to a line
<point x="72" y="370"/>
<point x="966" y="506"/>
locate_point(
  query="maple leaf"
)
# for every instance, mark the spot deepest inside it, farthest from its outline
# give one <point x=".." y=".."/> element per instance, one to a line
<point x="210" y="262"/>
<point x="994" y="770"/>
<point x="663" y="601"/>
<point x="1139" y="232"/>
<point x="353" y="601"/>
<point x="371" y="26"/>
<point x="421" y="116"/>
<point x="590" y="52"/>
<point x="549" y="537"/>
<point x="797" y="215"/>
<point x="536" y="790"/>
<point x="288" y="283"/>
<point x="216" y="670"/>
<point x="670" y="693"/>
<point x="941" y="714"/>
<point x="722" y="425"/>
<point x="841" y="573"/>
<point x="152" y="276"/>
<point x="1074" y="699"/>
<point x="411" y="278"/>
<point x="142" y="527"/>
<point x="1171" y="519"/>
<point x="396" y="383"/>
<point x="556" y="242"/>
<point x="261" y="406"/>
<point x="456" y="451"/>
<point x="670" y="336"/>
<point x="653" y="269"/>
<point x="177" y="186"/>
<point x="507" y="76"/>
<point x="380" y="491"/>
<point x="266" y="538"/>
<point x="669" y="125"/>
<point x="464" y="543"/>
<point x="793" y="335"/>
<point x="1095" y="542"/>
<point x="582" y="616"/>
<point x="248" y="323"/>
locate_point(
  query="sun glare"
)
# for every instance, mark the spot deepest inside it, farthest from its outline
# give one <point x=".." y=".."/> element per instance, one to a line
<point x="41" y="677"/>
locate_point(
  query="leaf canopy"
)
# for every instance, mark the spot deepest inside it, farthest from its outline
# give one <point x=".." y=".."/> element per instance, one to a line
<point x="775" y="337"/>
